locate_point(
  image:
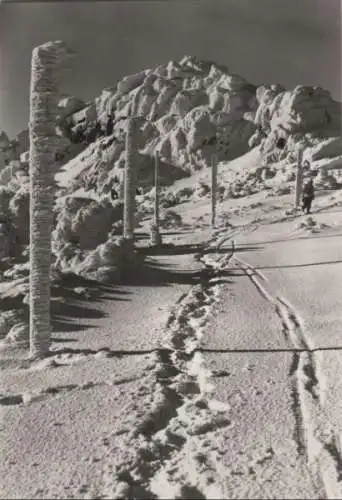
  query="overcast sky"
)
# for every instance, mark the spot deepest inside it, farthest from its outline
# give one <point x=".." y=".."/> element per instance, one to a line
<point x="287" y="41"/>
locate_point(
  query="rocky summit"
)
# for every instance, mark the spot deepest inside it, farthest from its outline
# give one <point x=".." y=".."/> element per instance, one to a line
<point x="188" y="110"/>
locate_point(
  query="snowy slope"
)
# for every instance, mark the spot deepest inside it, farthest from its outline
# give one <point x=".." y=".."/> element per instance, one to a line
<point x="253" y="413"/>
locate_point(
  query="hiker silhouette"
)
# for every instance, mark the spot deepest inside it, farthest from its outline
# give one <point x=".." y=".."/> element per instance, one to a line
<point x="308" y="196"/>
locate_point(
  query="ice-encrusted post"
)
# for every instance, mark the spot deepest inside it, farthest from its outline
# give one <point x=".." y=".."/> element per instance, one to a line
<point x="46" y="60"/>
<point x="213" y="189"/>
<point x="299" y="177"/>
<point x="155" y="234"/>
<point x="133" y="124"/>
<point x="129" y="189"/>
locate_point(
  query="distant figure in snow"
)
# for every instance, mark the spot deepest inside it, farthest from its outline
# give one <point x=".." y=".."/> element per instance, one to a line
<point x="308" y="196"/>
<point x="110" y="125"/>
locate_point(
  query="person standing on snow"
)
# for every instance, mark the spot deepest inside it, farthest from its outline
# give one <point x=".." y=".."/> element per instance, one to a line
<point x="308" y="195"/>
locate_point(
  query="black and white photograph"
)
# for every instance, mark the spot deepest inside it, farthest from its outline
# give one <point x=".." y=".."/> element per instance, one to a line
<point x="170" y="249"/>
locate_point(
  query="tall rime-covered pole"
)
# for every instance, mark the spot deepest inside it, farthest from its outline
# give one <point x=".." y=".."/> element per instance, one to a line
<point x="156" y="187"/>
<point x="43" y="147"/>
<point x="129" y="190"/>
<point x="130" y="170"/>
<point x="155" y="234"/>
<point x="213" y="189"/>
<point x="299" y="177"/>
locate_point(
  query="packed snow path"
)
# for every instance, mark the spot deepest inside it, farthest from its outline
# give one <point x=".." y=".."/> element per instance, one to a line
<point x="239" y="398"/>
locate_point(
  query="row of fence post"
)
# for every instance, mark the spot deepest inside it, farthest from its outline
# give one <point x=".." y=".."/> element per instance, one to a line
<point x="130" y="190"/>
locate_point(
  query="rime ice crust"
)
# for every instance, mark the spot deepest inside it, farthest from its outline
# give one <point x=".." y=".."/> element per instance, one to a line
<point x="46" y="61"/>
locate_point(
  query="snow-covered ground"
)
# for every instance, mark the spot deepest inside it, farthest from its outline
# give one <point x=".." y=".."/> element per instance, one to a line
<point x="215" y="374"/>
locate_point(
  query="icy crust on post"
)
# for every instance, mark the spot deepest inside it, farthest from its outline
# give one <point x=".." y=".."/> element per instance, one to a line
<point x="46" y="60"/>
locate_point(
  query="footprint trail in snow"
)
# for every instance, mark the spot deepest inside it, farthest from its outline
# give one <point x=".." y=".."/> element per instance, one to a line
<point x="171" y="453"/>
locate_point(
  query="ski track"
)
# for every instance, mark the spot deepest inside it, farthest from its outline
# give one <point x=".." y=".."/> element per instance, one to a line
<point x="316" y="439"/>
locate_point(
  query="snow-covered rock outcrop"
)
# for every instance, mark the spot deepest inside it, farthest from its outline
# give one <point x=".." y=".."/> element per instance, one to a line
<point x="84" y="240"/>
<point x="303" y="117"/>
<point x="189" y="110"/>
<point x="189" y="104"/>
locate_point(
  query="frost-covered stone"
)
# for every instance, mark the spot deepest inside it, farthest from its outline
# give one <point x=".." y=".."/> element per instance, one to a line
<point x="329" y="148"/>
<point x="110" y="261"/>
<point x="85" y="222"/>
<point x="130" y="82"/>
<point x="302" y="116"/>
<point x="86" y="114"/>
<point x="169" y="94"/>
<point x="69" y="105"/>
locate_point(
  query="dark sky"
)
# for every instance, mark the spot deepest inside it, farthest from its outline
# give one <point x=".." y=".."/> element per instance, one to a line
<point x="286" y="41"/>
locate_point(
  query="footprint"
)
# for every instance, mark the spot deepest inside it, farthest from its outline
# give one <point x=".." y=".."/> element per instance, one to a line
<point x="15" y="399"/>
<point x="220" y="373"/>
